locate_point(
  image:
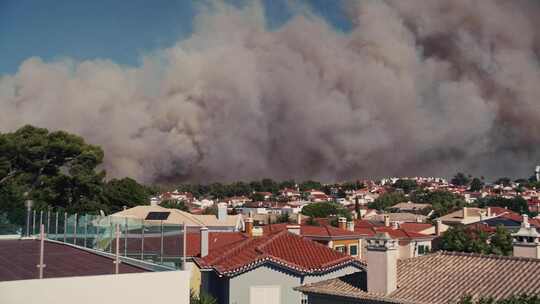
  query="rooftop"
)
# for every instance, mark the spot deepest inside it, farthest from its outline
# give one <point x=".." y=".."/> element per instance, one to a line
<point x="443" y="277"/>
<point x="18" y="260"/>
<point x="282" y="248"/>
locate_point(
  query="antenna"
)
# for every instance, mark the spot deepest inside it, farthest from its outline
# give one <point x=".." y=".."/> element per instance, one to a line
<point x="537" y="173"/>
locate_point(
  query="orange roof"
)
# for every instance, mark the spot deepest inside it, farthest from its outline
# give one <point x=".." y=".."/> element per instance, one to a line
<point x="279" y="248"/>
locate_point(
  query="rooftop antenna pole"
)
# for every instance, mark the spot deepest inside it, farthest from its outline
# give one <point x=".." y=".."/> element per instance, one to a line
<point x="110" y="234"/>
<point x="41" y="250"/>
<point x="142" y="239"/>
<point x="184" y="248"/>
<point x="117" y="249"/>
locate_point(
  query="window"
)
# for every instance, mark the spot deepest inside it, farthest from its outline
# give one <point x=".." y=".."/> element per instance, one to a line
<point x="340" y="248"/>
<point x="304" y="299"/>
<point x="423" y="249"/>
<point x="353" y="250"/>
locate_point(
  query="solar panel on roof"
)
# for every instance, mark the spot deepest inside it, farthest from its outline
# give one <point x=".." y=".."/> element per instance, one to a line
<point x="157" y="216"/>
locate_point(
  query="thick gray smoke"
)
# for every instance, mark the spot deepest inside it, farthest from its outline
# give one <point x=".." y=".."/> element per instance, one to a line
<point x="417" y="87"/>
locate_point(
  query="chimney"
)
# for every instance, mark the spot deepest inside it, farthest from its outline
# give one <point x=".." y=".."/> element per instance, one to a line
<point x="395" y="225"/>
<point x="382" y="264"/>
<point x="342" y="223"/>
<point x="249" y="226"/>
<point x="204" y="242"/>
<point x="526" y="242"/>
<point x="386" y="220"/>
<point x="465" y="213"/>
<point x="418" y="219"/>
<point x="222" y="211"/>
<point x="489" y="211"/>
<point x="294" y="229"/>
<point x="438" y="227"/>
<point x="299" y="218"/>
<point x="350" y="226"/>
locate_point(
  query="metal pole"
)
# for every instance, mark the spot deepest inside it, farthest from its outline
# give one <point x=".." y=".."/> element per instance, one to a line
<point x="56" y="228"/>
<point x="65" y="226"/>
<point x="98" y="223"/>
<point x="161" y="255"/>
<point x="110" y="234"/>
<point x="125" y="236"/>
<point x="40" y="218"/>
<point x="41" y="250"/>
<point x="85" y="228"/>
<point x="34" y="222"/>
<point x="142" y="239"/>
<point x="48" y="221"/>
<point x="184" y="248"/>
<point x="75" y="230"/>
<point x="117" y="259"/>
<point x="28" y="205"/>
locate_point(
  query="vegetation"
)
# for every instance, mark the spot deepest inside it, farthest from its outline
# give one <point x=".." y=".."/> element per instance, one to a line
<point x="407" y="185"/>
<point x="325" y="209"/>
<point x="172" y="204"/>
<point x="442" y="202"/>
<point x="203" y="298"/>
<point x="468" y="240"/>
<point x="476" y="185"/>
<point x="59" y="169"/>
<point x="387" y="200"/>
<point x="517" y="204"/>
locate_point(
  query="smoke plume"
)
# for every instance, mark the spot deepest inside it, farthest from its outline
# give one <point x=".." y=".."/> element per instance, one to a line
<point x="414" y="88"/>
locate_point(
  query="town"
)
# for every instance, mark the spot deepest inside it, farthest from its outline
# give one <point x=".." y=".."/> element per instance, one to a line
<point x="393" y="240"/>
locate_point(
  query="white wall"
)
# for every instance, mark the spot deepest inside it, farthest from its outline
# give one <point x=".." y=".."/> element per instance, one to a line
<point x="137" y="288"/>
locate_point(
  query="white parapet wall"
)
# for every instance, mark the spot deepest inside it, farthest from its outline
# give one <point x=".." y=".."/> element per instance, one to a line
<point x="136" y="288"/>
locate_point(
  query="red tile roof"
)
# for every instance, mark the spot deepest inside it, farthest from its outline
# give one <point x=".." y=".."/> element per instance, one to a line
<point x="280" y="248"/>
<point x="415" y="227"/>
<point x="18" y="260"/>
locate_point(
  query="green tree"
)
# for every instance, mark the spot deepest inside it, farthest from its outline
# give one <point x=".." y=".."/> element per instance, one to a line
<point x="505" y="181"/>
<point x="175" y="205"/>
<point x="476" y="185"/>
<point x="460" y="179"/>
<point x="308" y="185"/>
<point x="517" y="204"/>
<point x="442" y="202"/>
<point x="455" y="239"/>
<point x="125" y="192"/>
<point x="387" y="200"/>
<point x="407" y="185"/>
<point x="325" y="209"/>
<point x="501" y="242"/>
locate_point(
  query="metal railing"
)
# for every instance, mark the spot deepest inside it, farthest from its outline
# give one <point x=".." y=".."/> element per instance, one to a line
<point x="151" y="241"/>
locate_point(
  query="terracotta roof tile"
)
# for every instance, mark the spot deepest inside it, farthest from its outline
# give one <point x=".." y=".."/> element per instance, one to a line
<point x="444" y="277"/>
<point x="286" y="249"/>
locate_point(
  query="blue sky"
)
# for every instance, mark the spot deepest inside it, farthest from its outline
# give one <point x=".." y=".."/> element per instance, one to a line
<point x="118" y="30"/>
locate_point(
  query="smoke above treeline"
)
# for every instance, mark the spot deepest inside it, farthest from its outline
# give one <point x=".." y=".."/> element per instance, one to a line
<point x="414" y="88"/>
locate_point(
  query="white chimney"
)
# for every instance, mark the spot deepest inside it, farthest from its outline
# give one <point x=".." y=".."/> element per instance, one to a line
<point x="386" y="220"/>
<point x="204" y="242"/>
<point x="395" y="225"/>
<point x="350" y="226"/>
<point x="342" y="223"/>
<point x="438" y="227"/>
<point x="526" y="242"/>
<point x="381" y="264"/>
<point x="222" y="211"/>
<point x="299" y="218"/>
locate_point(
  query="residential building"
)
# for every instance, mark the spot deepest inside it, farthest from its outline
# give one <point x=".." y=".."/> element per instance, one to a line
<point x="269" y="266"/>
<point x="221" y="222"/>
<point x="438" y="278"/>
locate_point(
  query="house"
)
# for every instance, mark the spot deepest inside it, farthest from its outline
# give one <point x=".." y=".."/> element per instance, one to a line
<point x="410" y="207"/>
<point x="269" y="266"/>
<point x="398" y="217"/>
<point x="438" y="278"/>
<point x="221" y="222"/>
<point x="467" y="215"/>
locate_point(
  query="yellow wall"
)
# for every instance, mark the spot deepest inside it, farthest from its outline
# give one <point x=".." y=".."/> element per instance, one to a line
<point x="346" y="243"/>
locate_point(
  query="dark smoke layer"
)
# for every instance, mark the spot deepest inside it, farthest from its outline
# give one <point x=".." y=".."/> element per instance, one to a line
<point x="415" y="88"/>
